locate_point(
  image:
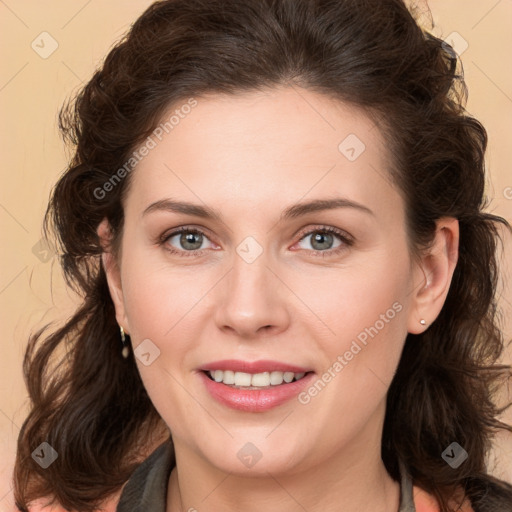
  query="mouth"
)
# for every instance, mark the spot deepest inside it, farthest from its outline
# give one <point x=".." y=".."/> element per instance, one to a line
<point x="254" y="381"/>
<point x="254" y="386"/>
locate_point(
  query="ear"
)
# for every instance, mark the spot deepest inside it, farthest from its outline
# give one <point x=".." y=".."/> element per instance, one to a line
<point x="113" y="272"/>
<point x="433" y="275"/>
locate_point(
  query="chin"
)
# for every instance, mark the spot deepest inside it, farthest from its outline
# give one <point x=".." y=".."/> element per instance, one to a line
<point x="253" y="456"/>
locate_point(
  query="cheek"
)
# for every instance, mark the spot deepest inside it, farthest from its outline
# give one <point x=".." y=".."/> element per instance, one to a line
<point x="365" y="310"/>
<point x="369" y="340"/>
<point x="160" y="308"/>
<point x="366" y="296"/>
<point x="359" y="363"/>
<point x="158" y="296"/>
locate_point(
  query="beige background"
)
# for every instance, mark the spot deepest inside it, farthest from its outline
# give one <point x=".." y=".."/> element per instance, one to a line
<point x="32" y="89"/>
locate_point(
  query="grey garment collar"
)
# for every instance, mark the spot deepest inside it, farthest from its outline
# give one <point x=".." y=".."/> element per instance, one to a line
<point x="146" y="490"/>
<point x="406" y="494"/>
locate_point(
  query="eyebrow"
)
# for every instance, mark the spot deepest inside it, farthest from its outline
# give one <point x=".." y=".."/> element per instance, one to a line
<point x="292" y="212"/>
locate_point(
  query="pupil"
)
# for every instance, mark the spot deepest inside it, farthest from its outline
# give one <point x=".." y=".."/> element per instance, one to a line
<point x="187" y="238"/>
<point x="321" y="237"/>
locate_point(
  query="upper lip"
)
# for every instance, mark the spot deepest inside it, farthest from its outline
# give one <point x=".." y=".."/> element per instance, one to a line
<point x="261" y="366"/>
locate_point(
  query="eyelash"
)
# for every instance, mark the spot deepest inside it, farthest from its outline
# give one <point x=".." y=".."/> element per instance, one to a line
<point x="344" y="238"/>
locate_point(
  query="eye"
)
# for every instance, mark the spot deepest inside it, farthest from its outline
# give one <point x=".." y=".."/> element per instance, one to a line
<point x="323" y="239"/>
<point x="185" y="241"/>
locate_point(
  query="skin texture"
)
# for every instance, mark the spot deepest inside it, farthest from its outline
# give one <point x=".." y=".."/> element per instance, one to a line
<point x="249" y="157"/>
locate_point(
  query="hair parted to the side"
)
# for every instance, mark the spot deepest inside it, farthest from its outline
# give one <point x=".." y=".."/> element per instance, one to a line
<point x="92" y="407"/>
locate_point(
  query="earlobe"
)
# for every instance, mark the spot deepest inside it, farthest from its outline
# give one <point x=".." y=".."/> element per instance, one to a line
<point x="435" y="274"/>
<point x="113" y="274"/>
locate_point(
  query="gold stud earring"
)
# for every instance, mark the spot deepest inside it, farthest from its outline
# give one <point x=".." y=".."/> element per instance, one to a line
<point x="125" y="351"/>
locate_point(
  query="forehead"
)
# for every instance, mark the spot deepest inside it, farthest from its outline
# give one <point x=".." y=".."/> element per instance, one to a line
<point x="258" y="147"/>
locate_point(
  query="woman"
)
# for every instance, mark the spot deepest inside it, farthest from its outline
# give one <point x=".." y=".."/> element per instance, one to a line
<point x="275" y="216"/>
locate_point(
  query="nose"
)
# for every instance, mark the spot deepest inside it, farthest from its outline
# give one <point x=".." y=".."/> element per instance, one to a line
<point x="252" y="302"/>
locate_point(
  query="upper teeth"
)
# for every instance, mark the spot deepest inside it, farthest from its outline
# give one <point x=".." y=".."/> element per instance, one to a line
<point x="257" y="379"/>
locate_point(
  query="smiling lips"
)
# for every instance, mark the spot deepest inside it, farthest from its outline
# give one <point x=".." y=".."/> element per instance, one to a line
<point x="253" y="386"/>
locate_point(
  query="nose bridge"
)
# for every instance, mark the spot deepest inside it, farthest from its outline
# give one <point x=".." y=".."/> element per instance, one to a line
<point x="249" y="278"/>
<point x="250" y="297"/>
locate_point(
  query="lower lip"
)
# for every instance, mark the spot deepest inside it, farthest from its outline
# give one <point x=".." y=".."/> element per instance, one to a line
<point x="255" y="400"/>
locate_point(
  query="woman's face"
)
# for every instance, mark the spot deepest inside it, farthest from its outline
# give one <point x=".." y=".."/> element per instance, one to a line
<point x="256" y="285"/>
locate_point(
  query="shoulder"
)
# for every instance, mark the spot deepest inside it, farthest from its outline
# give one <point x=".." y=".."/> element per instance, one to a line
<point x="425" y="502"/>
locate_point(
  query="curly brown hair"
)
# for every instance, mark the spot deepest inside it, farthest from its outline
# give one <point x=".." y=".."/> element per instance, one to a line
<point x="90" y="404"/>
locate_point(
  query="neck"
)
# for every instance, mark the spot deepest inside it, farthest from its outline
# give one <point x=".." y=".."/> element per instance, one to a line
<point x="354" y="479"/>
